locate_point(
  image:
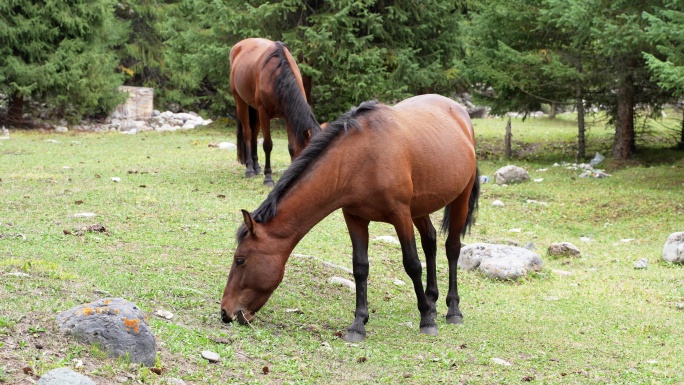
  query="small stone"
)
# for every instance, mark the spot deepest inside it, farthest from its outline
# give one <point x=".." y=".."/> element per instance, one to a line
<point x="564" y="249"/>
<point x="163" y="314"/>
<point x="585" y="239"/>
<point x="210" y="356"/>
<point x="498" y="203"/>
<point x="342" y="282"/>
<point x="388" y="239"/>
<point x="17" y="274"/>
<point x="175" y="381"/>
<point x="399" y="282"/>
<point x="408" y="324"/>
<point x="501" y="362"/>
<point x="673" y="251"/>
<point x="538" y="180"/>
<point x="530" y="246"/>
<point x="62" y="376"/>
<point x="516" y="230"/>
<point x="61" y="129"/>
<point x="116" y="179"/>
<point x="564" y="273"/>
<point x="295" y="310"/>
<point x="85" y="215"/>
<point x="227" y="146"/>
<point x="641" y="264"/>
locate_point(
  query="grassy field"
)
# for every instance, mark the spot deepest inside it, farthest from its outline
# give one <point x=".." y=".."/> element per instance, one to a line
<point x="171" y="222"/>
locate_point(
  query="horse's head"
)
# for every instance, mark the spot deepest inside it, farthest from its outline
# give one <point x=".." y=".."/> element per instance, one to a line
<point x="256" y="272"/>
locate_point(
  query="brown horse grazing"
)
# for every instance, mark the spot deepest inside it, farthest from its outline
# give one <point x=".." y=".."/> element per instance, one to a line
<point x="378" y="163"/>
<point x="266" y="84"/>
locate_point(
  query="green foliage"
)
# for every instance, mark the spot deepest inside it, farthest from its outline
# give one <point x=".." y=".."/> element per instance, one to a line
<point x="60" y="52"/>
<point x="665" y="27"/>
<point x="354" y="50"/>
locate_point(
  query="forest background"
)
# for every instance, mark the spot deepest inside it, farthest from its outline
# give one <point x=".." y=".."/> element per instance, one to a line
<point x="623" y="58"/>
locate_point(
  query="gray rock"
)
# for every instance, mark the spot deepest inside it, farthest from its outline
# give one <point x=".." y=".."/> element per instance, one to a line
<point x="497" y="203"/>
<point x="387" y="239"/>
<point x="64" y="376"/>
<point x="564" y="249"/>
<point x="175" y="381"/>
<point x="511" y="174"/>
<point x="166" y="114"/>
<point x="155" y="113"/>
<point x="61" y="129"/>
<point x="342" y="282"/>
<point x="189" y="125"/>
<point x="210" y="356"/>
<point x="641" y="264"/>
<point x="499" y="261"/>
<point x="117" y="325"/>
<point x="227" y="146"/>
<point x="674" y="248"/>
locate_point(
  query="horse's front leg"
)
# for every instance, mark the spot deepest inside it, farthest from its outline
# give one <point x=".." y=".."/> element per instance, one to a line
<point x="358" y="232"/>
<point x="404" y="226"/>
<point x="265" y="121"/>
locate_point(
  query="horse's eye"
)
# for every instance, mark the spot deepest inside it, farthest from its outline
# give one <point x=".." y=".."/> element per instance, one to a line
<point x="239" y="261"/>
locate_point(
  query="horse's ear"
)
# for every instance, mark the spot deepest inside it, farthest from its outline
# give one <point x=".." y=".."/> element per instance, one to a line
<point x="307" y="134"/>
<point x="249" y="222"/>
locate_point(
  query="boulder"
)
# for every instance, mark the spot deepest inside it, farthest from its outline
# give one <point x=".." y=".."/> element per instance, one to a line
<point x="116" y="324"/>
<point x="674" y="248"/>
<point x="499" y="261"/>
<point x="564" y="249"/>
<point x="64" y="376"/>
<point x="511" y="174"/>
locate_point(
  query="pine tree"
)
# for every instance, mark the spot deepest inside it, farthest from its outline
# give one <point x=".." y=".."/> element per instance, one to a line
<point x="59" y="52"/>
<point x="665" y="30"/>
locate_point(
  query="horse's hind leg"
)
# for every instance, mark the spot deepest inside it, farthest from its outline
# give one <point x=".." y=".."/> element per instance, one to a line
<point x="458" y="213"/>
<point x="428" y="239"/>
<point x="358" y="232"/>
<point x="265" y="121"/>
<point x="404" y="226"/>
<point x="254" y="125"/>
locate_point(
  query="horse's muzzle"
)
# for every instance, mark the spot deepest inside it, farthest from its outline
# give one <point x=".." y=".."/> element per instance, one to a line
<point x="225" y="317"/>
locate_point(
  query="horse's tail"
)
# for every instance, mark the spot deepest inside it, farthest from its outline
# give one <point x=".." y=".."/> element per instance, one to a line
<point x="472" y="207"/>
<point x="241" y="143"/>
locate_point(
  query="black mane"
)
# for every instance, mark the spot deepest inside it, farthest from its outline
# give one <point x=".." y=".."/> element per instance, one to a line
<point x="269" y="207"/>
<point x="295" y="107"/>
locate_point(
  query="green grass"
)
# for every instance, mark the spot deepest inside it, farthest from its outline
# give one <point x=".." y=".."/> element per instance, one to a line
<point x="171" y="222"/>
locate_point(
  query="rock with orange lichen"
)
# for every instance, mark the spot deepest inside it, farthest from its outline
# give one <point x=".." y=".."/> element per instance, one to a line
<point x="116" y="325"/>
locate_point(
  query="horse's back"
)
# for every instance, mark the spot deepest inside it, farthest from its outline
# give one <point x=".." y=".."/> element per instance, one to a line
<point x="428" y="150"/>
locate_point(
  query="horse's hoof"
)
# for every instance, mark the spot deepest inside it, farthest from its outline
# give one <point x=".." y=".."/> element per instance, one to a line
<point x="268" y="182"/>
<point x="429" y="330"/>
<point x="354" y="337"/>
<point x="257" y="170"/>
<point x="454" y="320"/>
<point x="250" y="174"/>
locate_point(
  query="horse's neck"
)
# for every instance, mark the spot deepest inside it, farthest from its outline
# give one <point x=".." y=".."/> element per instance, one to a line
<point x="308" y="203"/>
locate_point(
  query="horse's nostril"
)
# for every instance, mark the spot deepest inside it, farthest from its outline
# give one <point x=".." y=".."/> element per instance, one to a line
<point x="224" y="317"/>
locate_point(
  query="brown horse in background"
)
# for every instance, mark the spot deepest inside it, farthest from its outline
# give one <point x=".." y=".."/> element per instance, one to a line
<point x="378" y="163"/>
<point x="266" y="84"/>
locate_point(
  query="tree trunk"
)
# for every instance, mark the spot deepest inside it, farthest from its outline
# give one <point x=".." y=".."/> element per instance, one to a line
<point x="581" y="140"/>
<point x="552" y="113"/>
<point x="507" y="140"/>
<point x="15" y="110"/>
<point x="624" y="143"/>
<point x="681" y="139"/>
<point x="306" y="81"/>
